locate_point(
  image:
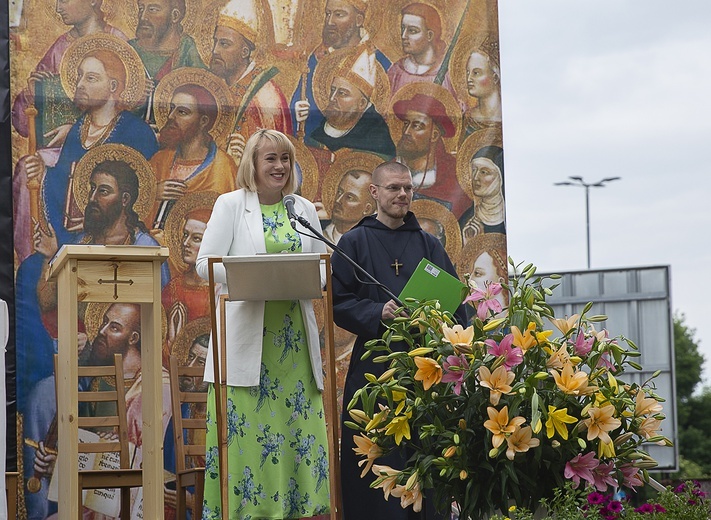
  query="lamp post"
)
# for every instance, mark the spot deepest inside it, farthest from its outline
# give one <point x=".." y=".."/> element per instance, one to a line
<point x="578" y="181"/>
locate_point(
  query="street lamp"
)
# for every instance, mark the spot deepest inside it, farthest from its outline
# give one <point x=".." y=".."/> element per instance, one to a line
<point x="578" y="181"/>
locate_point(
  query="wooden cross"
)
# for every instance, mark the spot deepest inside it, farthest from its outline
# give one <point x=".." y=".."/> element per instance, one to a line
<point x="116" y="281"/>
<point x="397" y="267"/>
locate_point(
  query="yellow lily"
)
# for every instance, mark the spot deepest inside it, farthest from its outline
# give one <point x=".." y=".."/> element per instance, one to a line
<point x="565" y="324"/>
<point x="606" y="450"/>
<point x="557" y="420"/>
<point x="524" y="340"/>
<point x="499" y="424"/>
<point x="498" y="382"/>
<point x="366" y="448"/>
<point x="399" y="427"/>
<point x="542" y="337"/>
<point x="520" y="441"/>
<point x="601" y="422"/>
<point x="428" y="371"/>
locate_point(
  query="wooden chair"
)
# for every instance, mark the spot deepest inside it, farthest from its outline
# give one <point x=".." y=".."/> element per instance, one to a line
<point x="11" y="482"/>
<point x="188" y="472"/>
<point x="123" y="478"/>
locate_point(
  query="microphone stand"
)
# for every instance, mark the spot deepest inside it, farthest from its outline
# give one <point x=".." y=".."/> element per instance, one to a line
<point x="301" y="220"/>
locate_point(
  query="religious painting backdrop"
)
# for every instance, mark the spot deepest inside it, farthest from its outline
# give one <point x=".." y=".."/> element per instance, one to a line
<point x="129" y="118"/>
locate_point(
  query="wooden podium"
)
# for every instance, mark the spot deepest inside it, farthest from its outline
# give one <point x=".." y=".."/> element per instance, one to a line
<point x="282" y="285"/>
<point x="127" y="274"/>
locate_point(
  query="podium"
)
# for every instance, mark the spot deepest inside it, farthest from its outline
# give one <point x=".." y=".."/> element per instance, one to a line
<point x="271" y="277"/>
<point x="126" y="274"/>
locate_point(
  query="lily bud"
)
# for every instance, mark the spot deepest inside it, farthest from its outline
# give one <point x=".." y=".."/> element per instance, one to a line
<point x="450" y="452"/>
<point x="463" y="474"/>
<point x="385" y="376"/>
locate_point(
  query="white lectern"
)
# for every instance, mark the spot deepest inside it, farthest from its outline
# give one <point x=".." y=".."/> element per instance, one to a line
<point x="127" y="274"/>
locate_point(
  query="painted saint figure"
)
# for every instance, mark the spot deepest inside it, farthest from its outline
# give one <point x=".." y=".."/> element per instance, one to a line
<point x="189" y="160"/>
<point x="425" y="124"/>
<point x="424" y="49"/>
<point x="343" y="31"/>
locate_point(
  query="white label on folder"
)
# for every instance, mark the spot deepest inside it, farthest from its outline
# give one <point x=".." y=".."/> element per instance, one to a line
<point x="429" y="268"/>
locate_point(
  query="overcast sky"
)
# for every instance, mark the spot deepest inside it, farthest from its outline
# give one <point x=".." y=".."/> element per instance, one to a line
<point x="603" y="88"/>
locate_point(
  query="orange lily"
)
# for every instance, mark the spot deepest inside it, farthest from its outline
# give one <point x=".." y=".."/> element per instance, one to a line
<point x="520" y="441"/>
<point x="498" y="382"/>
<point x="524" y="340"/>
<point x="499" y="424"/>
<point x="601" y="422"/>
<point x="428" y="371"/>
<point x="366" y="448"/>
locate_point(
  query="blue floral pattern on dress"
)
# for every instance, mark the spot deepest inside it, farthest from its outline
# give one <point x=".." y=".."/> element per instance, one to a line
<point x="266" y="389"/>
<point x="293" y="503"/>
<point x="302" y="446"/>
<point x="250" y="492"/>
<point x="211" y="461"/>
<point x="277" y="219"/>
<point x="236" y="424"/>
<point x="271" y="444"/>
<point x="320" y="468"/>
<point x="298" y="403"/>
<point x="287" y="338"/>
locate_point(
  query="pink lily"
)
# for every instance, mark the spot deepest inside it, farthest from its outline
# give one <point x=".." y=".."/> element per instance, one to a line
<point x="485" y="301"/>
<point x="603" y="476"/>
<point x="583" y="345"/>
<point x="581" y="466"/>
<point x="512" y="355"/>
<point x="455" y="368"/>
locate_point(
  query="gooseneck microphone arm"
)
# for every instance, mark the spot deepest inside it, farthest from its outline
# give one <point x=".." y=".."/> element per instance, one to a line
<point x="293" y="217"/>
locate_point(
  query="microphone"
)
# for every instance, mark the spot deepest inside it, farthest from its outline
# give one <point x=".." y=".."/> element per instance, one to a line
<point x="289" y="205"/>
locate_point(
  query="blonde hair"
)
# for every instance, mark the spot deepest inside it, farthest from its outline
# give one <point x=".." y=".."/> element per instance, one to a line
<point x="247" y="172"/>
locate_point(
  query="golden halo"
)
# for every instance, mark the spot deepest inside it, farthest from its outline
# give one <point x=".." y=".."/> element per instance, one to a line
<point x="109" y="9"/>
<point x="326" y="70"/>
<point x="391" y="41"/>
<point x="192" y="15"/>
<point x="458" y="64"/>
<point x="94" y="316"/>
<point x="207" y="21"/>
<point x="428" y="89"/>
<point x="134" y="91"/>
<point x="225" y="120"/>
<point x="423" y="208"/>
<point x="116" y="152"/>
<point x="479" y="244"/>
<point x="186" y="337"/>
<point x="309" y="169"/>
<point x="346" y="160"/>
<point x="471" y="145"/>
<point x="176" y="218"/>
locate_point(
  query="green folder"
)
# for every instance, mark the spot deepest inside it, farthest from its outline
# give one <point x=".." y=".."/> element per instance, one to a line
<point x="430" y="282"/>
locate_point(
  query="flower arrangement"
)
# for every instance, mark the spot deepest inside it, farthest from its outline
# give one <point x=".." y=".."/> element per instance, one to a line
<point x="686" y="501"/>
<point x="502" y="410"/>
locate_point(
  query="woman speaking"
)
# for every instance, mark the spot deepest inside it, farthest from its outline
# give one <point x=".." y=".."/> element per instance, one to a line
<point x="277" y="444"/>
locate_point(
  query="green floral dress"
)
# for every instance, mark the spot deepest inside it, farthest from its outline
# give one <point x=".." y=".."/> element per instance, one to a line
<point x="276" y="432"/>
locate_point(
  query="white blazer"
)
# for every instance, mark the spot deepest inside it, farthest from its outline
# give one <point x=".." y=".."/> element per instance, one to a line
<point x="236" y="228"/>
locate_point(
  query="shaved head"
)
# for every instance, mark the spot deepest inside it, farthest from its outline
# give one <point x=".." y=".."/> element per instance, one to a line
<point x="384" y="170"/>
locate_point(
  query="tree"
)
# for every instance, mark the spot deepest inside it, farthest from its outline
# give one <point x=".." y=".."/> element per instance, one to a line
<point x="689" y="360"/>
<point x="694" y="411"/>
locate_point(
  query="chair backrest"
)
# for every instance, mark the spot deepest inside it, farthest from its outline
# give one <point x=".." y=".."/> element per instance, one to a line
<point x="188" y="429"/>
<point x="111" y="417"/>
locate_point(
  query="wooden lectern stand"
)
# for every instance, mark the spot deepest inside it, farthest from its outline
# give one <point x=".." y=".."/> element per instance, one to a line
<point x="275" y="280"/>
<point x="127" y="274"/>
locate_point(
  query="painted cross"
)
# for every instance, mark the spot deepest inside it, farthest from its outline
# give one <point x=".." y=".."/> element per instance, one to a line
<point x="116" y="281"/>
